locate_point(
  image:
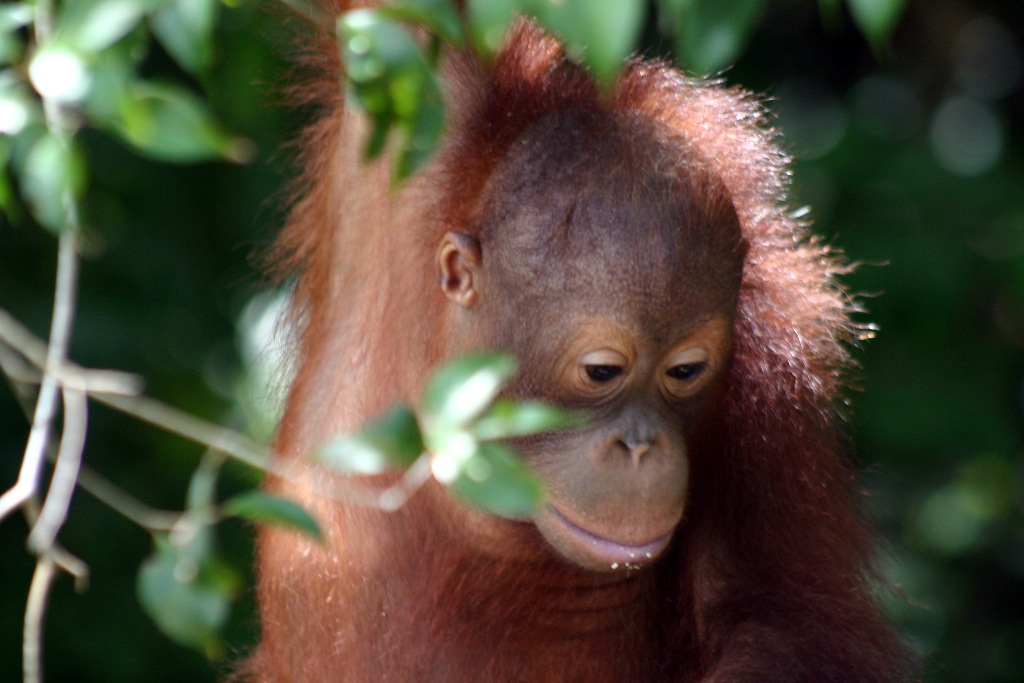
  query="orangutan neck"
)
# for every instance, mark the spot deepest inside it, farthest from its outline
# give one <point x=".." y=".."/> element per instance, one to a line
<point x="523" y="622"/>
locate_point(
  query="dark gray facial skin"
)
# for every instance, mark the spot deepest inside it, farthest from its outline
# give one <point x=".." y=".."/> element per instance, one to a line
<point x="613" y="275"/>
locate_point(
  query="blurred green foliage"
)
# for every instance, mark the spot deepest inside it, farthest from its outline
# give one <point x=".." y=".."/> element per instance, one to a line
<point x="915" y="168"/>
<point x="909" y="151"/>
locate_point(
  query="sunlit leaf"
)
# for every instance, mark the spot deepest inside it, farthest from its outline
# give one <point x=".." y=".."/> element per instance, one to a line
<point x="389" y="79"/>
<point x="185" y="29"/>
<point x="91" y="25"/>
<point x="265" y="508"/>
<point x="59" y="74"/>
<point x="14" y="16"/>
<point x="711" y="35"/>
<point x="508" y="418"/>
<point x="496" y="480"/>
<point x="390" y="442"/>
<point x="424" y="129"/>
<point x="877" y="18"/>
<point x="187" y="594"/>
<point x="18" y="108"/>
<point x="461" y="390"/>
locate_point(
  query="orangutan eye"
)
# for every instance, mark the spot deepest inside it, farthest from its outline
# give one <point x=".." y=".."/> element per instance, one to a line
<point x="601" y="366"/>
<point x="603" y="373"/>
<point x="687" y="372"/>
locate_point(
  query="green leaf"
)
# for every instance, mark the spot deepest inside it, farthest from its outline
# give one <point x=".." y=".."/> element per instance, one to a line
<point x="496" y="480"/>
<point x="390" y="442"/>
<point x="440" y="16"/>
<point x="53" y="173"/>
<point x="712" y="35"/>
<point x="877" y="18"/>
<point x="169" y="123"/>
<point x="461" y="390"/>
<point x="187" y="594"/>
<point x="265" y="508"/>
<point x="508" y="418"/>
<point x="388" y="78"/>
<point x="6" y="193"/>
<point x="92" y="25"/>
<point x="185" y="29"/>
<point x="113" y="76"/>
<point x="424" y="128"/>
<point x="18" y="108"/>
<point x="600" y="35"/>
<point x="13" y="18"/>
<point x="489" y="21"/>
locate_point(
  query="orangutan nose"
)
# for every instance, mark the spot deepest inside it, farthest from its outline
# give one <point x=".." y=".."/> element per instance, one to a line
<point x="637" y="446"/>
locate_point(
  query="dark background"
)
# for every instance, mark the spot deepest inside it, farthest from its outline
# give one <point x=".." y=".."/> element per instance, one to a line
<point x="912" y="162"/>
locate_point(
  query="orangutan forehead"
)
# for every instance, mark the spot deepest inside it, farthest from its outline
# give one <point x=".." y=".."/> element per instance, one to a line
<point x="583" y="205"/>
<point x="585" y="149"/>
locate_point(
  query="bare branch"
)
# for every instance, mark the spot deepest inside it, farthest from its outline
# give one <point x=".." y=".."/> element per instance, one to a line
<point x="124" y="504"/>
<point x="73" y="565"/>
<point x="27" y="347"/>
<point x="61" y="557"/>
<point x="189" y="426"/>
<point x="60" y="334"/>
<point x="35" y="610"/>
<point x="65" y="472"/>
<point x="120" y="391"/>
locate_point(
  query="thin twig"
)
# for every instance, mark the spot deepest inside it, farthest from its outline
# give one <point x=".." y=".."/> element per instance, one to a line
<point x="25" y="346"/>
<point x="16" y="364"/>
<point x="35" y="610"/>
<point x="120" y="391"/>
<point x="124" y="504"/>
<point x="190" y="427"/>
<point x="26" y="487"/>
<point x="72" y="565"/>
<point x="412" y="480"/>
<point x="350" y="490"/>
<point x="65" y="472"/>
<point x="64" y="560"/>
<point x="60" y="333"/>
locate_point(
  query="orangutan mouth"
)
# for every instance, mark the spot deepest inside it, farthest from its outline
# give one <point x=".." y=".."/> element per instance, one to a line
<point x="613" y="552"/>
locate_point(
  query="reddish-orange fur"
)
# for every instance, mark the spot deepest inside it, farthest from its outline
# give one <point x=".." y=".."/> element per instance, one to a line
<point x="766" y="578"/>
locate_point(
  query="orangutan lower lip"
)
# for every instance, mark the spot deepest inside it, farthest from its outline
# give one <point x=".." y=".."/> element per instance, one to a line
<point x="614" y="551"/>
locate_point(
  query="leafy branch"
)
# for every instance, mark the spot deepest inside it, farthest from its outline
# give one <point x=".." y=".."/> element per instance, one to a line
<point x="185" y="586"/>
<point x="392" y="76"/>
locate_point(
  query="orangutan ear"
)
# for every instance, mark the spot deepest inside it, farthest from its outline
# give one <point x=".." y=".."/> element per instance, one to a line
<point x="459" y="265"/>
